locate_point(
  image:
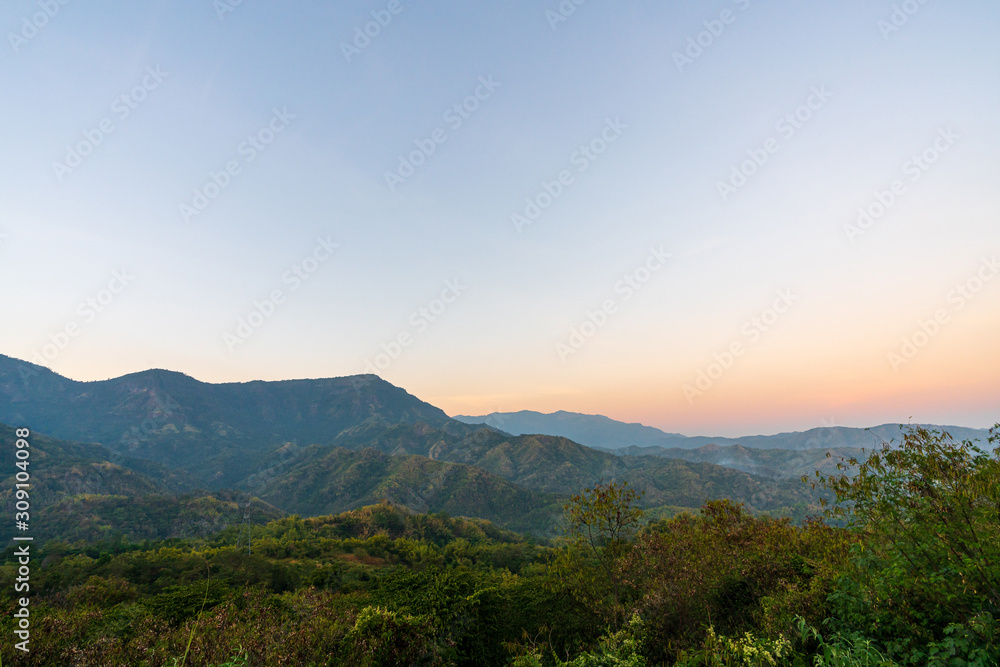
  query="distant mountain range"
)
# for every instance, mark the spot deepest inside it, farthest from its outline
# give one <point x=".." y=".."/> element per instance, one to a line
<point x="172" y="448"/>
<point x="606" y="433"/>
<point x="172" y="456"/>
<point x="589" y="430"/>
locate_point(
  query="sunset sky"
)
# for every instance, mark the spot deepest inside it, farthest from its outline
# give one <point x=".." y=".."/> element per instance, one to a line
<point x="717" y="218"/>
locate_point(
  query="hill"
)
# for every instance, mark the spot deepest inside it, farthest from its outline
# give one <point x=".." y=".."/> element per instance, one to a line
<point x="309" y="447"/>
<point x="328" y="481"/>
<point x="59" y="469"/>
<point x="552" y="464"/>
<point x="82" y="491"/>
<point x="151" y="517"/>
<point x="79" y="493"/>
<point x="218" y="433"/>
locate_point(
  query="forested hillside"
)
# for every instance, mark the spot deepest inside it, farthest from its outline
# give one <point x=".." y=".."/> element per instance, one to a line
<point x="216" y="433"/>
<point x="912" y="579"/>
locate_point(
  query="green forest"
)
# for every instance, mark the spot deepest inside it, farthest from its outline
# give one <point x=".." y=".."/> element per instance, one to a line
<point x="902" y="568"/>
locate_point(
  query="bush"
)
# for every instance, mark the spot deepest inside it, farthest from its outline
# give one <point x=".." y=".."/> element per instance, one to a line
<point x="925" y="581"/>
<point x="731" y="571"/>
<point x="382" y="637"/>
<point x="617" y="649"/>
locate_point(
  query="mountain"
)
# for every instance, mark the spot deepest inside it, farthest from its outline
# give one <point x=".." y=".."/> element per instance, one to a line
<point x="327" y="445"/>
<point x="589" y="430"/>
<point x="553" y="464"/>
<point x="329" y="481"/>
<point x="606" y="433"/>
<point x="85" y="491"/>
<point x="217" y="433"/>
<point x="58" y="469"/>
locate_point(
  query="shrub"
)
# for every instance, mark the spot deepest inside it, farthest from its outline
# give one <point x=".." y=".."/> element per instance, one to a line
<point x="925" y="581"/>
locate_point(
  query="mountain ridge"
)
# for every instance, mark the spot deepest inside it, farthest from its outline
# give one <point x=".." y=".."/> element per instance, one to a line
<point x="601" y="432"/>
<point x="302" y="444"/>
<point x="174" y="419"/>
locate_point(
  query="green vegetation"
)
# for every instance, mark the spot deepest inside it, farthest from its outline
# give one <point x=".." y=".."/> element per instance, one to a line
<point x="924" y="580"/>
<point x="86" y="492"/>
<point x="904" y="570"/>
<point x="600" y="522"/>
<point x="337" y="479"/>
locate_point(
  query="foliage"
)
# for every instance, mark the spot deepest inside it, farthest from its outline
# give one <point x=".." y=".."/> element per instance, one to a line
<point x="729" y="570"/>
<point x="850" y="650"/>
<point x="925" y="580"/>
<point x="383" y="637"/>
<point x="622" y="648"/>
<point x="907" y="581"/>
<point x="601" y="521"/>
<point x="747" y="650"/>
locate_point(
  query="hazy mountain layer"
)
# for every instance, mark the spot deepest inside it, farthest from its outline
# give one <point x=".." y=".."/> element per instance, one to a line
<point x="590" y="430"/>
<point x="770" y="463"/>
<point x="599" y="431"/>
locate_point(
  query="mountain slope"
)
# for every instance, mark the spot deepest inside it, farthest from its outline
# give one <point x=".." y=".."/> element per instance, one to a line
<point x="147" y="517"/>
<point x="329" y="481"/>
<point x="306" y="446"/>
<point x="216" y="432"/>
<point x="58" y="469"/>
<point x="553" y="464"/>
<point x="81" y="491"/>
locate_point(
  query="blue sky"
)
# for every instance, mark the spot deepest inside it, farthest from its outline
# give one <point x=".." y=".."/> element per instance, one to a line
<point x="502" y="299"/>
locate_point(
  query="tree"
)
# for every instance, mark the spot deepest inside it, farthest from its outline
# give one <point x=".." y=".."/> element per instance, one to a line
<point x="927" y="568"/>
<point x="602" y="521"/>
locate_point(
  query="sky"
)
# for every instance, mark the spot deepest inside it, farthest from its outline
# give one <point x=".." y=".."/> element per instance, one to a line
<point x="717" y="218"/>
